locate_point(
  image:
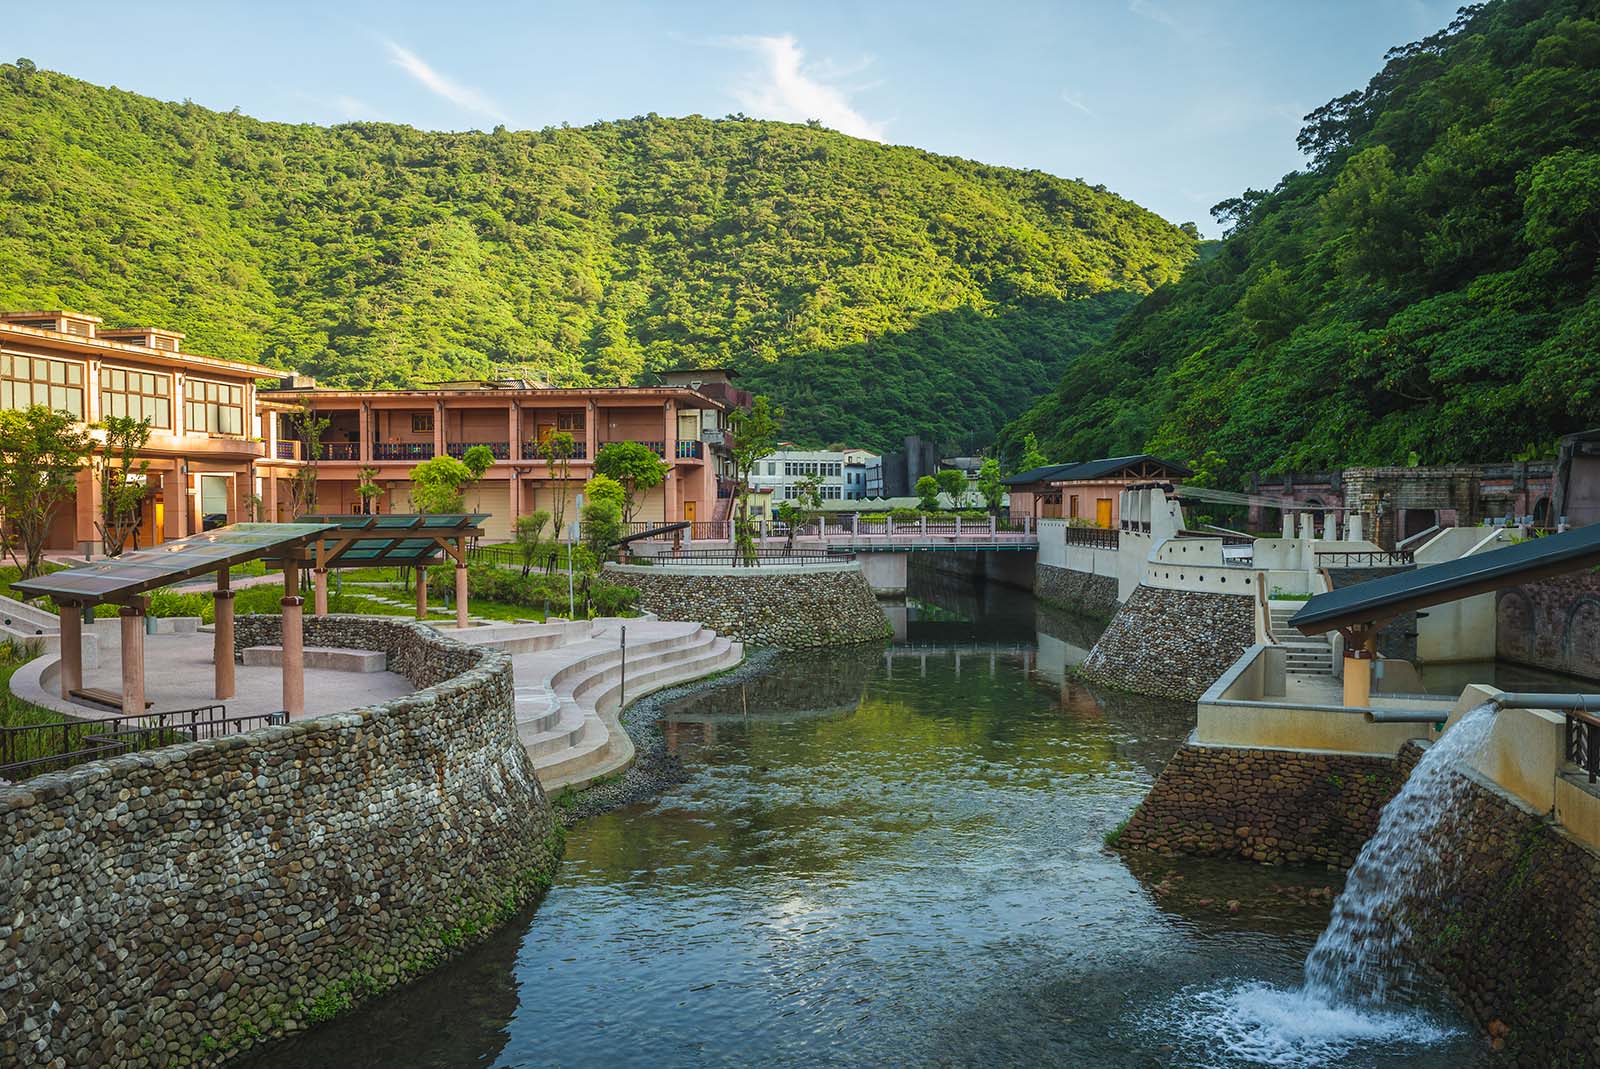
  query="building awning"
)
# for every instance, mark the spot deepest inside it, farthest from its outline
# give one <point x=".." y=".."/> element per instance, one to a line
<point x="1376" y="600"/>
<point x="120" y="579"/>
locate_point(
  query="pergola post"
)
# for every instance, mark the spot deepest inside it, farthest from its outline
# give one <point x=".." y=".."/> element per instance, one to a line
<point x="319" y="584"/>
<point x="422" y="593"/>
<point x="222" y="636"/>
<point x="294" y="657"/>
<point x="461" y="594"/>
<point x="71" y="647"/>
<point x="132" y="622"/>
<point x="1360" y="650"/>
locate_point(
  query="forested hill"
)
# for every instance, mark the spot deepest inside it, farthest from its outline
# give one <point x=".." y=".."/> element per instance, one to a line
<point x="877" y="291"/>
<point x="1425" y="291"/>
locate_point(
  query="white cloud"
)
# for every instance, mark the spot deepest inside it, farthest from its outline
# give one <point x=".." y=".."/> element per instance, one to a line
<point x="1150" y="11"/>
<point x="1074" y="102"/>
<point x="462" y="96"/>
<point x="790" y="90"/>
<point x="350" y="107"/>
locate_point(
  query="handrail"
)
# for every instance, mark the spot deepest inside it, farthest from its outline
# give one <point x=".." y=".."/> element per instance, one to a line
<point x="1404" y="542"/>
<point x="1264" y="611"/>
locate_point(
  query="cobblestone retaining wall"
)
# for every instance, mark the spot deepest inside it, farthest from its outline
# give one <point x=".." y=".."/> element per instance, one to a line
<point x="1075" y="590"/>
<point x="1553" y="623"/>
<point x="1514" y="929"/>
<point x="174" y="907"/>
<point x="1172" y="643"/>
<point x="1273" y="806"/>
<point x="792" y="608"/>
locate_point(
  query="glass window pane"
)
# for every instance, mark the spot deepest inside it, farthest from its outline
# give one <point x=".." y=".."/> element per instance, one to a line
<point x="75" y="374"/>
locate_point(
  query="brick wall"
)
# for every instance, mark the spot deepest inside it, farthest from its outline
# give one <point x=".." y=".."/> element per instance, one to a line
<point x="1553" y="623"/>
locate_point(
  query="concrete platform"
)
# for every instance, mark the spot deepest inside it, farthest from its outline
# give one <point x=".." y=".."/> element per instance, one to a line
<point x="179" y="675"/>
<point x="330" y="657"/>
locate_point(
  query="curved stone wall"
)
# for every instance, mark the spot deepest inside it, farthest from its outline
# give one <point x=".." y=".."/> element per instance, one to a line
<point x="793" y="607"/>
<point x="1172" y="643"/>
<point x="173" y="907"/>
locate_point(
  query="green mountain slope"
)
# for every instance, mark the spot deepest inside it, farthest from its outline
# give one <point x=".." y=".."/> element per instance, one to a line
<point x="1427" y="288"/>
<point x="880" y="290"/>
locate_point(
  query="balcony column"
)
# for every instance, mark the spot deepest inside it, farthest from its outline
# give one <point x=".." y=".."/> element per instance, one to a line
<point x="669" y="496"/>
<point x="272" y="496"/>
<point x="438" y="428"/>
<point x="591" y="416"/>
<point x="514" y="436"/>
<point x="514" y="493"/>
<point x="364" y="433"/>
<point x="175" y="502"/>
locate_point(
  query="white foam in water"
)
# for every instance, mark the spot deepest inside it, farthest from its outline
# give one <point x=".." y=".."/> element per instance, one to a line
<point x="1355" y="966"/>
<point x="1257" y="1024"/>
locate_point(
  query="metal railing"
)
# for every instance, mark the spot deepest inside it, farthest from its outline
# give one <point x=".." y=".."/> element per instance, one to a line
<point x="659" y="448"/>
<point x="340" y="451"/>
<point x="733" y="558"/>
<point x="32" y="749"/>
<point x="287" y="451"/>
<point x="500" y="450"/>
<point x="535" y="450"/>
<point x="402" y="451"/>
<point x="1093" y="537"/>
<point x="1583" y="742"/>
<point x="1368" y="559"/>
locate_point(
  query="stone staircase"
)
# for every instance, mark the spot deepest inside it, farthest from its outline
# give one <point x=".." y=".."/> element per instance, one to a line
<point x="1305" y="656"/>
<point x="569" y="684"/>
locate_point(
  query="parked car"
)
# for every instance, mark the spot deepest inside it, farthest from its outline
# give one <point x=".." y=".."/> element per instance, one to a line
<point x="212" y="520"/>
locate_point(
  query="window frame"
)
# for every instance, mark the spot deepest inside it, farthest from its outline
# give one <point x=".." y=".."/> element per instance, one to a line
<point x="69" y="370"/>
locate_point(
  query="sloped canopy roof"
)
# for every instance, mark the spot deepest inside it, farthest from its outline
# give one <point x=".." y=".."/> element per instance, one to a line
<point x="119" y="579"/>
<point x="1099" y="469"/>
<point x="411" y="540"/>
<point x="1380" y="599"/>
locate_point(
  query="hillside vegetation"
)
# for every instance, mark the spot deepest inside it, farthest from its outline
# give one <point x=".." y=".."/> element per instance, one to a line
<point x="1425" y="291"/>
<point x="881" y="291"/>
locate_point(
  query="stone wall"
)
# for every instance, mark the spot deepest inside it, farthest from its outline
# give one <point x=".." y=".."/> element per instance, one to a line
<point x="1553" y="623"/>
<point x="1513" y="927"/>
<point x="796" y="607"/>
<point x="173" y="907"/>
<point x="1172" y="643"/>
<point x="1272" y="806"/>
<point x="1075" y="590"/>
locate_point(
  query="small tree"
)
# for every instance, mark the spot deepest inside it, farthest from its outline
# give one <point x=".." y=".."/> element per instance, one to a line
<point x="438" y="485"/>
<point x="752" y="437"/>
<point x="529" y="534"/>
<point x="602" y="526"/>
<point x="558" y="451"/>
<point x="990" y="486"/>
<point x="121" y="475"/>
<point x="41" y="453"/>
<point x="802" y="509"/>
<point x="1031" y="456"/>
<point x="604" y="488"/>
<point x="928" y="493"/>
<point x="636" y="467"/>
<point x="309" y="427"/>
<point x="954" y="484"/>
<point x="368" y="490"/>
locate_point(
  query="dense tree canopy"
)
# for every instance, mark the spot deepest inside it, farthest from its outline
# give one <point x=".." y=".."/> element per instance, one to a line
<point x="1427" y="287"/>
<point x="876" y="290"/>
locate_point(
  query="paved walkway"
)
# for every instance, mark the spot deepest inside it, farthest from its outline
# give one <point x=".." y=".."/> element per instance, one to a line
<point x="179" y="675"/>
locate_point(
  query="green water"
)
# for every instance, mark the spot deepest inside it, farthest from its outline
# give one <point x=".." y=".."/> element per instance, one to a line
<point x="880" y="857"/>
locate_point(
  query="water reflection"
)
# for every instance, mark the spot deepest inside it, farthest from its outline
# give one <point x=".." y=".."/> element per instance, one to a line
<point x="881" y="857"/>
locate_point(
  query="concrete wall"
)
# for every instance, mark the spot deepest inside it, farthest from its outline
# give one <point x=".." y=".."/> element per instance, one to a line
<point x="1552" y="623"/>
<point x="164" y="908"/>
<point x="792" y="607"/>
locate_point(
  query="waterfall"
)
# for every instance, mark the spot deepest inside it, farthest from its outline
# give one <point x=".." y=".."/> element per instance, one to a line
<point x="1346" y="1002"/>
<point x="1355" y="961"/>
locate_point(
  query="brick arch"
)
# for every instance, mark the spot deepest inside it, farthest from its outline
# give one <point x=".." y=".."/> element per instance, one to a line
<point x="1516" y="624"/>
<point x="1580" y="636"/>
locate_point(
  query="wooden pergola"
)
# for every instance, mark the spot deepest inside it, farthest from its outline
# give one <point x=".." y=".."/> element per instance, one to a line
<point x="127" y="580"/>
<point x="399" y="540"/>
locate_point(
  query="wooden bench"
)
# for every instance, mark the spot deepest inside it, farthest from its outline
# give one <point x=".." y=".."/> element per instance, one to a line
<point x="107" y="698"/>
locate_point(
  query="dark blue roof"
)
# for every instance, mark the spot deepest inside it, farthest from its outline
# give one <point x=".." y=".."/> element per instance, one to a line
<point x="1094" y="469"/>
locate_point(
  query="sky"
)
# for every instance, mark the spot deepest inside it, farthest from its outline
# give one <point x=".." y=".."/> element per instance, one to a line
<point x="1175" y="105"/>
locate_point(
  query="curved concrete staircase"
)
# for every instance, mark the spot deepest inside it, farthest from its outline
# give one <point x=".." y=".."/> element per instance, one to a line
<point x="569" y="685"/>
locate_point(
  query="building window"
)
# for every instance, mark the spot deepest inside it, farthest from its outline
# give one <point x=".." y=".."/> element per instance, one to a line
<point x="38" y="380"/>
<point x="141" y="395"/>
<point x="565" y="421"/>
<point x="772" y="467"/>
<point x="213" y="407"/>
<point x="831" y="493"/>
<point x="422" y="423"/>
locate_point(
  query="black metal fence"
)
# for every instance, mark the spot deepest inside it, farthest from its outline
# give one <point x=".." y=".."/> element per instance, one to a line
<point x="733" y="558"/>
<point x="1583" y="742"/>
<point x="1093" y="537"/>
<point x="32" y="749"/>
<point x="1372" y="559"/>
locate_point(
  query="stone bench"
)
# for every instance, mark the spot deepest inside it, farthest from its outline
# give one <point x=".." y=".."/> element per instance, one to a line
<point x="330" y="657"/>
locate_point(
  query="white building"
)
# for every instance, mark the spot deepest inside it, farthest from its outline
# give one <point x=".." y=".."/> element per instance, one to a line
<point x="846" y="474"/>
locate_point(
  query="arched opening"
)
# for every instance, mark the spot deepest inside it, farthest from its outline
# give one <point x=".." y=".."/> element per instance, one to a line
<point x="1541" y="513"/>
<point x="1415" y="521"/>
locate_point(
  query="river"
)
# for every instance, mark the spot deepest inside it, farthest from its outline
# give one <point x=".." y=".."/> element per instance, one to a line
<point x="884" y="858"/>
